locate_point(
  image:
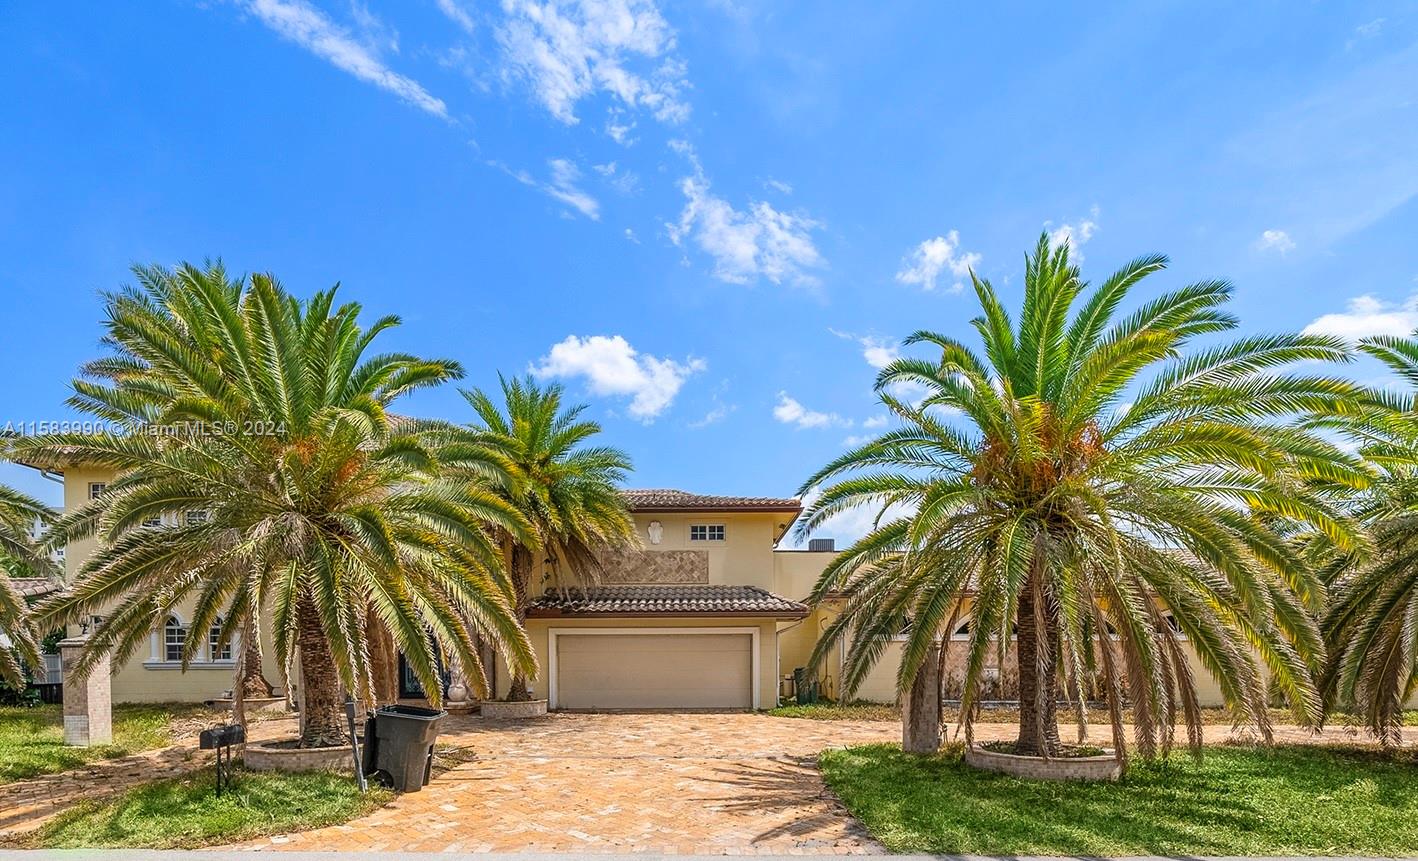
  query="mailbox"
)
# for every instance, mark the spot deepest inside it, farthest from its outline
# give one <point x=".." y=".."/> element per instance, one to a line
<point x="222" y="736"/>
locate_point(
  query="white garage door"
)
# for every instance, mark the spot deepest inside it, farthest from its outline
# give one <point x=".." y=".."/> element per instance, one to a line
<point x="651" y="671"/>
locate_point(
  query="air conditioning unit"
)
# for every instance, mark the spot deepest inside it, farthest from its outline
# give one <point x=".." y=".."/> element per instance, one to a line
<point x="822" y="545"/>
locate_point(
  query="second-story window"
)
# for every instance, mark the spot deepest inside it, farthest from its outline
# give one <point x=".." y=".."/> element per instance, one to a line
<point x="96" y="489"/>
<point x="706" y="532"/>
<point x="197" y="516"/>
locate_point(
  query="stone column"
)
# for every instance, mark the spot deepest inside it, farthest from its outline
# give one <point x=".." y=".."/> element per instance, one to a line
<point x="88" y="699"/>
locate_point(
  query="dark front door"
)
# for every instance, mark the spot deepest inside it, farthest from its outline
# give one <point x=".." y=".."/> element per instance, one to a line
<point x="409" y="687"/>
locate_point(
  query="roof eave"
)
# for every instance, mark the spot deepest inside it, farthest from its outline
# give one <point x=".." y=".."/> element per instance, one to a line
<point x="715" y="509"/>
<point x="669" y="614"/>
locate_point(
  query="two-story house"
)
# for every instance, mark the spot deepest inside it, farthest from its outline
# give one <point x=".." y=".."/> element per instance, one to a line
<point x="707" y="613"/>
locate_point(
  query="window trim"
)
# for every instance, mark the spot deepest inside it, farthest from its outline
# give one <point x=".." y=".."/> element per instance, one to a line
<point x="97" y="489"/>
<point x="157" y="651"/>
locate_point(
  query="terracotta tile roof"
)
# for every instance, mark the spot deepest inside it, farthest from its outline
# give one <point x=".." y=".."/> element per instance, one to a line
<point x="657" y="600"/>
<point x="680" y="500"/>
<point x="34" y="587"/>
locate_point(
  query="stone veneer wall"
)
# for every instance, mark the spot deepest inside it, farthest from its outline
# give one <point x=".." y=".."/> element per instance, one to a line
<point x="264" y="757"/>
<point x="667" y="567"/>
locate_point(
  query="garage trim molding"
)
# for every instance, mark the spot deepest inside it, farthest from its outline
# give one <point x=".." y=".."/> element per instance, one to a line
<point x="553" y="632"/>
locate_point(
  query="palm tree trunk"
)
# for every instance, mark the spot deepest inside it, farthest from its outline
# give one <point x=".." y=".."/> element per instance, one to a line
<point x="322" y="702"/>
<point x="253" y="681"/>
<point x="384" y="662"/>
<point x="1038" y="677"/>
<point x="521" y="581"/>
<point x="249" y="683"/>
<point x="920" y="716"/>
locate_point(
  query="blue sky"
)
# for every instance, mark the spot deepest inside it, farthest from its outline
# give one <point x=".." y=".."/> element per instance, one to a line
<point x="709" y="218"/>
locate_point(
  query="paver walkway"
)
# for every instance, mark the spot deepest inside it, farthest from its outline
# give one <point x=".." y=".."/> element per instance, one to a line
<point x="25" y="805"/>
<point x="661" y="783"/>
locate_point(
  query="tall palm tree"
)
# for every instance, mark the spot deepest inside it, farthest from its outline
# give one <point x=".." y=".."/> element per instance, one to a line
<point x="534" y="452"/>
<point x="258" y="424"/>
<point x="1079" y="483"/>
<point x="19" y="556"/>
<point x="1372" y="621"/>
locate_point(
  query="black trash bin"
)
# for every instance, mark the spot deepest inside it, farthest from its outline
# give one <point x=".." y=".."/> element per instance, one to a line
<point x="402" y="745"/>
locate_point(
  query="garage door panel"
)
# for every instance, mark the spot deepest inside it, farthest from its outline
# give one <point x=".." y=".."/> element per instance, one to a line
<point x="654" y="671"/>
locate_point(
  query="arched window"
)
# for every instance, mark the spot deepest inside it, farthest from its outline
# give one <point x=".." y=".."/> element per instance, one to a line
<point x="1176" y="626"/>
<point x="174" y="634"/>
<point x="216" y="649"/>
<point x="962" y="630"/>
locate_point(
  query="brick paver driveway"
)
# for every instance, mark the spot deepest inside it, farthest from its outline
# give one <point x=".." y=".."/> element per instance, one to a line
<point x="662" y="783"/>
<point x="725" y="783"/>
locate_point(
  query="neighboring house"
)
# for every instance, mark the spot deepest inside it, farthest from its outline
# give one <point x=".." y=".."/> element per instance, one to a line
<point x="37" y="532"/>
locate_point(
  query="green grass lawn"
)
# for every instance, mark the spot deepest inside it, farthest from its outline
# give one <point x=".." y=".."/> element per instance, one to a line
<point x="1008" y="714"/>
<point x="1236" y="801"/>
<point x="32" y="739"/>
<point x="838" y="711"/>
<point x="185" y="813"/>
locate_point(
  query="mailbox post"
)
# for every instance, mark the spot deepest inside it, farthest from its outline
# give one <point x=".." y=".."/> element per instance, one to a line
<point x="220" y="739"/>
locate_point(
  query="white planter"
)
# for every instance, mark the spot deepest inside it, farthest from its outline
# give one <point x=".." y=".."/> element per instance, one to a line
<point x="283" y="755"/>
<point x="499" y="710"/>
<point x="1104" y="767"/>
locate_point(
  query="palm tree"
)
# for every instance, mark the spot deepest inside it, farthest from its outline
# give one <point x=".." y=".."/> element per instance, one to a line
<point x="258" y="425"/>
<point x="1078" y="484"/>
<point x="534" y="452"/>
<point x="19" y="555"/>
<point x="1371" y="625"/>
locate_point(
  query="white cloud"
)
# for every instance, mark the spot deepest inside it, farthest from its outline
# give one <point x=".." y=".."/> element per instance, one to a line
<point x="618" y="178"/>
<point x="562" y="186"/>
<point x="310" y="28"/>
<point x="1369" y="316"/>
<point x="618" y="129"/>
<point x="1275" y="240"/>
<point x="611" y="367"/>
<point x="564" y="176"/>
<point x="790" y="412"/>
<point x="778" y="185"/>
<point x="630" y="235"/>
<point x="1371" y="29"/>
<point x="850" y="525"/>
<point x="1076" y="235"/>
<point x="745" y="245"/>
<point x="569" y="51"/>
<point x="878" y="352"/>
<point x="875" y="422"/>
<point x="928" y="260"/>
<point x="908" y="391"/>
<point x="714" y="416"/>
<point x="455" y="12"/>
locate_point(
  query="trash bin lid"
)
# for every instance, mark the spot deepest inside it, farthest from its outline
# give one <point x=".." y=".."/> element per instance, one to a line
<point x="415" y="712"/>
